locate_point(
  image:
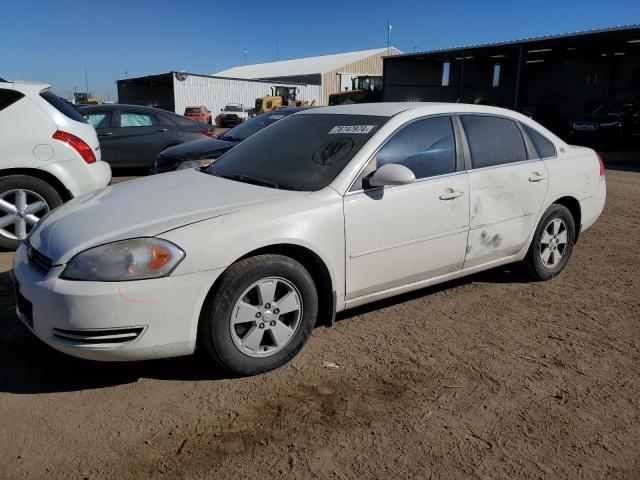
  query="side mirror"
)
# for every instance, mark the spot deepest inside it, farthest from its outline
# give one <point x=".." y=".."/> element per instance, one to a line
<point x="391" y="174"/>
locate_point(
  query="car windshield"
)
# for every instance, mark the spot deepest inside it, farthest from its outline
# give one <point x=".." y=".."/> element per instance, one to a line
<point x="300" y="152"/>
<point x="253" y="125"/>
<point x="614" y="109"/>
<point x="233" y="108"/>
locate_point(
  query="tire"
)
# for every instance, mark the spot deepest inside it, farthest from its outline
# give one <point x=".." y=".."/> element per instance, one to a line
<point x="244" y="334"/>
<point x="36" y="193"/>
<point x="555" y="226"/>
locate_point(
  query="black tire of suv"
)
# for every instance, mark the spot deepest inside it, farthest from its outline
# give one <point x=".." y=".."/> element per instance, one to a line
<point x="214" y="333"/>
<point x="36" y="185"/>
<point x="532" y="264"/>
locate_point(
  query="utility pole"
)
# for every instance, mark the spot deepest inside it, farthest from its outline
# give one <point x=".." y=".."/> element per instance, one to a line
<point x="86" y="80"/>
<point x="277" y="51"/>
<point x="388" y="34"/>
<point x="244" y="49"/>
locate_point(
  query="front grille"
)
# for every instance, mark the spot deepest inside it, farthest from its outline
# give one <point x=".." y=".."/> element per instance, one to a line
<point x="94" y="337"/>
<point x="40" y="262"/>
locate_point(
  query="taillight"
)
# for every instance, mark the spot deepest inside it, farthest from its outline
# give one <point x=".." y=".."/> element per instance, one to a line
<point x="78" y="145"/>
<point x="208" y="133"/>
<point x="601" y="164"/>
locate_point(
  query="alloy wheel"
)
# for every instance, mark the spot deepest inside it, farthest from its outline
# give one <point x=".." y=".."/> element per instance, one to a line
<point x="554" y="242"/>
<point x="266" y="317"/>
<point x="20" y="209"/>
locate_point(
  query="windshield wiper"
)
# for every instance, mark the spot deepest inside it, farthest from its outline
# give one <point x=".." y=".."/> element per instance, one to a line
<point x="229" y="139"/>
<point x="252" y="180"/>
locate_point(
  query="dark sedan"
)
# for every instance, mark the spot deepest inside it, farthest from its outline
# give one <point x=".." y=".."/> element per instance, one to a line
<point x="202" y="152"/>
<point x="133" y="136"/>
<point x="610" y="125"/>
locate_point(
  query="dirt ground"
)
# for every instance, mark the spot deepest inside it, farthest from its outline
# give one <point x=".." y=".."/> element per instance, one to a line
<point x="486" y="377"/>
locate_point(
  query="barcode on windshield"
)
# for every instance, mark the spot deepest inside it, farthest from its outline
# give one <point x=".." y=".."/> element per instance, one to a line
<point x="351" y="129"/>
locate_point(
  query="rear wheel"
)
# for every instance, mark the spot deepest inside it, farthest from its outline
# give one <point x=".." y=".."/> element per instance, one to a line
<point x="552" y="244"/>
<point x="260" y="316"/>
<point x="23" y="201"/>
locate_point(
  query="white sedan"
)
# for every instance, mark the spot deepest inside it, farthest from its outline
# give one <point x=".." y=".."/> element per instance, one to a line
<point x="325" y="210"/>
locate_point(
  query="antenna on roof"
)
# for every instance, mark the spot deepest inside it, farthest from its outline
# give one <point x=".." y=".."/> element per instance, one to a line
<point x="389" y="34"/>
<point x="244" y="49"/>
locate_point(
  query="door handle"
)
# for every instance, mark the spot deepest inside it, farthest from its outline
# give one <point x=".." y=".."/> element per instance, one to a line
<point x="105" y="134"/>
<point x="161" y="130"/>
<point x="451" y="194"/>
<point x="536" y="177"/>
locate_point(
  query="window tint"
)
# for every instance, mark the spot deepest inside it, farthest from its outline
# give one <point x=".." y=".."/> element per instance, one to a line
<point x="138" y="119"/>
<point x="100" y="119"/>
<point x="426" y="147"/>
<point x="493" y="140"/>
<point x="9" y="97"/>
<point x="544" y="147"/>
<point x="62" y="106"/>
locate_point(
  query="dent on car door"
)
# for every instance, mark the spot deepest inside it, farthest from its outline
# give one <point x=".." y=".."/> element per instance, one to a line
<point x="403" y="234"/>
<point x="507" y="186"/>
<point x="102" y="121"/>
<point x="140" y="138"/>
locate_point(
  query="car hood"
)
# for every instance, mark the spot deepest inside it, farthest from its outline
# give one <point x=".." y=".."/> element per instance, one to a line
<point x="198" y="149"/>
<point x="145" y="207"/>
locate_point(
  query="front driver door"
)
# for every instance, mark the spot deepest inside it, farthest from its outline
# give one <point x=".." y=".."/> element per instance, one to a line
<point x="403" y="234"/>
<point x="140" y="138"/>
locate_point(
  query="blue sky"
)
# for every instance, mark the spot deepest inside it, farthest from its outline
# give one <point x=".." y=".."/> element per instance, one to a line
<point x="55" y="40"/>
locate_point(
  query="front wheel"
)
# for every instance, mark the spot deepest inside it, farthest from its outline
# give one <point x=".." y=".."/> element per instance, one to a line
<point x="23" y="201"/>
<point x="552" y="244"/>
<point x="260" y="316"/>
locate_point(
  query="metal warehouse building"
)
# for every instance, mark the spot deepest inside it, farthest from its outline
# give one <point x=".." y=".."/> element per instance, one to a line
<point x="174" y="91"/>
<point x="330" y="72"/>
<point x="552" y="78"/>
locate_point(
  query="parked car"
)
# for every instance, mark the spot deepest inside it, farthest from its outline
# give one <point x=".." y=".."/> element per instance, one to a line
<point x="198" y="114"/>
<point x="612" y="124"/>
<point x="200" y="153"/>
<point x="232" y="114"/>
<point x="48" y="154"/>
<point x="133" y="136"/>
<point x="327" y="209"/>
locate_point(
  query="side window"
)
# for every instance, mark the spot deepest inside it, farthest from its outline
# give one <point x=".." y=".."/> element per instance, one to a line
<point x="99" y="119"/>
<point x="427" y="147"/>
<point x="9" y="97"/>
<point x="138" y="119"/>
<point x="544" y="147"/>
<point x="493" y="140"/>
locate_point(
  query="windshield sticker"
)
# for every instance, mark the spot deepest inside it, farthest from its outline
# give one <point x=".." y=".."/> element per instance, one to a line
<point x="351" y="129"/>
<point x="276" y="117"/>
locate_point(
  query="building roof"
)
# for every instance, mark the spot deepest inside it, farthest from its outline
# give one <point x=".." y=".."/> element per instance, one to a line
<point x="580" y="33"/>
<point x="301" y="66"/>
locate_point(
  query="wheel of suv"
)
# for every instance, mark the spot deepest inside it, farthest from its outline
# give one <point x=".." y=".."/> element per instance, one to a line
<point x="23" y="201"/>
<point x="260" y="316"/>
<point x="552" y="244"/>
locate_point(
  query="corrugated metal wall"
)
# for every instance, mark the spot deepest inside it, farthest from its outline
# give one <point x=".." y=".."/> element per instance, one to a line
<point x="216" y="92"/>
<point x="369" y="66"/>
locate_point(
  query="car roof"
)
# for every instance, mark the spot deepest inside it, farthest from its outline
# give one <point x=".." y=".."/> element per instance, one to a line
<point x="389" y="109"/>
<point x="25" y="85"/>
<point x="114" y="106"/>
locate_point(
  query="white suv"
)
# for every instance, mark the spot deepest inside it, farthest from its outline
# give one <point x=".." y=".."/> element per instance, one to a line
<point x="49" y="154"/>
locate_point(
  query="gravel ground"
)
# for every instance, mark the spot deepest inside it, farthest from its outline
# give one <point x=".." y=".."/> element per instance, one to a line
<point x="486" y="377"/>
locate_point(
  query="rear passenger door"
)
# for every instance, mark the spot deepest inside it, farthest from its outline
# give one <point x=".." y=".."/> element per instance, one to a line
<point x="507" y="184"/>
<point x="102" y="122"/>
<point x="139" y="138"/>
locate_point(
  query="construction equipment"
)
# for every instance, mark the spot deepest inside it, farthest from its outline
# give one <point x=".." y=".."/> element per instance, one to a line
<point x="364" y="89"/>
<point x="280" y="97"/>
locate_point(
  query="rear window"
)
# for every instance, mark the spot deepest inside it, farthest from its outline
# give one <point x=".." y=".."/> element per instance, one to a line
<point x="493" y="140"/>
<point x="544" y="147"/>
<point x="193" y="110"/>
<point x="63" y="107"/>
<point x="9" y="97"/>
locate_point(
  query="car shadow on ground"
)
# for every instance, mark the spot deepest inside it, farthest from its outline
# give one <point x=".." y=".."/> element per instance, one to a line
<point x="28" y="366"/>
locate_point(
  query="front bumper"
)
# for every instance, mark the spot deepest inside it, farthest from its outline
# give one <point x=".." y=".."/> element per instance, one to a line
<point x="111" y="321"/>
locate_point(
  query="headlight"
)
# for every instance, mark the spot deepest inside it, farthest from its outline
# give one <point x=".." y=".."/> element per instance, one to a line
<point x="135" y="259"/>
<point x="195" y="164"/>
